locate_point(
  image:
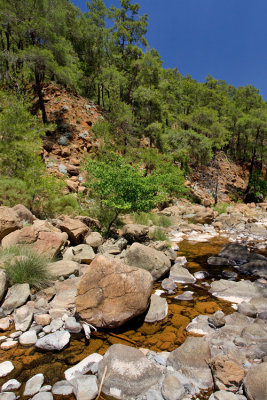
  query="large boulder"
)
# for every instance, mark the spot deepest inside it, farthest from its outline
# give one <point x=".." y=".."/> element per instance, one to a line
<point x="3" y="284"/>
<point x="135" y="232"/>
<point x="111" y="293"/>
<point x="255" y="382"/>
<point x="128" y="372"/>
<point x="227" y="373"/>
<point x="94" y="239"/>
<point x="76" y="229"/>
<point x="192" y="358"/>
<point x="9" y="221"/>
<point x="16" y="296"/>
<point x="255" y="268"/>
<point x="26" y="235"/>
<point x="152" y="260"/>
<point x="203" y="215"/>
<point x="235" y="252"/>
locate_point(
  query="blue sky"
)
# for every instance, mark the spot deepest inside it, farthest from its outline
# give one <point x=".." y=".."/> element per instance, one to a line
<point x="224" y="38"/>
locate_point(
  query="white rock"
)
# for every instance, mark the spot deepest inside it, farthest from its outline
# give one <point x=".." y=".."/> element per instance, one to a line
<point x="83" y="366"/>
<point x="55" y="341"/>
<point x="12" y="384"/>
<point x="8" y="345"/>
<point x="5" y="323"/>
<point x="3" y="338"/>
<point x="23" y="317"/>
<point x="181" y="275"/>
<point x="28" y="338"/>
<point x="43" y="396"/>
<point x="46" y="388"/>
<point x="33" y="385"/>
<point x="56" y="324"/>
<point x="63" y="388"/>
<point x="182" y="261"/>
<point x="72" y="325"/>
<point x="5" y="368"/>
<point x="7" y="396"/>
<point x="85" y="387"/>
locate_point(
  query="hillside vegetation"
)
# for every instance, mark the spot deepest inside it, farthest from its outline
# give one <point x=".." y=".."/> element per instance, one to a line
<point x="103" y="55"/>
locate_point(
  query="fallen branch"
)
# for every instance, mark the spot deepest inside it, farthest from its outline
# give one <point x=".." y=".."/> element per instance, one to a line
<point x="102" y="382"/>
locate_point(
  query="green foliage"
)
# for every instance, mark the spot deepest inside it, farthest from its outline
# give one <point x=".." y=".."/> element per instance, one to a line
<point x="23" y="264"/>
<point x="221" y="208"/>
<point x="151" y="218"/>
<point x="120" y="188"/>
<point x="159" y="235"/>
<point x="258" y="187"/>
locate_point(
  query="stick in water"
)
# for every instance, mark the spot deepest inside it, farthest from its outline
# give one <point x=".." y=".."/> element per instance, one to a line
<point x="102" y="382"/>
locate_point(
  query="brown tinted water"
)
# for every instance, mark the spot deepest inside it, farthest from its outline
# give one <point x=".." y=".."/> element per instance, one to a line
<point x="165" y="335"/>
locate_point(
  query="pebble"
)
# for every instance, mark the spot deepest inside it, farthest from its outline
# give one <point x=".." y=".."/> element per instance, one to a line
<point x="12" y="384"/>
<point x="33" y="385"/>
<point x="43" y="396"/>
<point x="15" y="335"/>
<point x="186" y="296"/>
<point x="5" y="368"/>
<point x="201" y="275"/>
<point x="28" y="338"/>
<point x="8" y="345"/>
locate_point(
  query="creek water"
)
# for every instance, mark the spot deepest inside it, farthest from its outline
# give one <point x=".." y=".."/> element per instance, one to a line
<point x="165" y="335"/>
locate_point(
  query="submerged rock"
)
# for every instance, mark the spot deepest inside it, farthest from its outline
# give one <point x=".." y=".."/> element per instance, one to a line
<point x="235" y="252"/>
<point x="111" y="293"/>
<point x="181" y="275"/>
<point x="83" y="366"/>
<point x="236" y="292"/>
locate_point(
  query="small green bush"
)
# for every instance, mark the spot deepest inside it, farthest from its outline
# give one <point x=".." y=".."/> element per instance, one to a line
<point x="145" y="218"/>
<point x="159" y="235"/>
<point x="221" y="208"/>
<point x="23" y="264"/>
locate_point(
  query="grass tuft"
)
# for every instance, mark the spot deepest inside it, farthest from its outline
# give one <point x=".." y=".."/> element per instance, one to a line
<point x="155" y="219"/>
<point x="23" y="264"/>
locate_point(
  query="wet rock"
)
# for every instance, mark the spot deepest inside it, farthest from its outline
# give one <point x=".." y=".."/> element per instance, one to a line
<point x="172" y="388"/>
<point x="181" y="275"/>
<point x="224" y="395"/>
<point x="236" y="292"/>
<point x="5" y="324"/>
<point x="72" y="325"/>
<point x="201" y="275"/>
<point x="85" y="387"/>
<point x="255" y="382"/>
<point x="231" y="275"/>
<point x="23" y="317"/>
<point x="158" y="309"/>
<point x="185" y="296"/>
<point x="227" y="373"/>
<point x="220" y="261"/>
<point x="43" y="396"/>
<point x="180" y="261"/>
<point x="135" y="233"/>
<point x="16" y="296"/>
<point x="235" y="252"/>
<point x="94" y="239"/>
<point x="169" y="285"/>
<point x="12" y="384"/>
<point x="144" y="257"/>
<point x="110" y="293"/>
<point x="24" y="214"/>
<point x="255" y="268"/>
<point x="129" y="372"/>
<point x="8" y="345"/>
<point x="5" y="368"/>
<point x="199" y="325"/>
<point x="217" y="320"/>
<point x="28" y="338"/>
<point x="63" y="268"/>
<point x="62" y="388"/>
<point x="54" y="341"/>
<point x="7" y="396"/>
<point x="83" y="366"/>
<point x="184" y="359"/>
<point x="3" y="284"/>
<point x="75" y="229"/>
<point x="33" y="385"/>
<point x="9" y="221"/>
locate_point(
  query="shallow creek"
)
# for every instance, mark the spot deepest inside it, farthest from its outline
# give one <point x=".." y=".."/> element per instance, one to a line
<point x="165" y="335"/>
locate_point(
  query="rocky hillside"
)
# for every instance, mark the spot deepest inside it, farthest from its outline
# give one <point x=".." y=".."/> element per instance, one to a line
<point x="65" y="147"/>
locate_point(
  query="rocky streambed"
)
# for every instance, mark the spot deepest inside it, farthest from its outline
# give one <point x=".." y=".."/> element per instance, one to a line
<point x="203" y="336"/>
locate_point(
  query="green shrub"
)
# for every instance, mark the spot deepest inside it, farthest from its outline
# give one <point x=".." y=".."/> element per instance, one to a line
<point x="221" y="208"/>
<point x="23" y="264"/>
<point x="159" y="235"/>
<point x="145" y="218"/>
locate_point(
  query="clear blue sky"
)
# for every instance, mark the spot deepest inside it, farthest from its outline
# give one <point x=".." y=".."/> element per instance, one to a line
<point x="224" y="38"/>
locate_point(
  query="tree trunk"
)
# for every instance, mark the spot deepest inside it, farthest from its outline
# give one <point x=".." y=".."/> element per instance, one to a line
<point x="253" y="159"/>
<point x="40" y="96"/>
